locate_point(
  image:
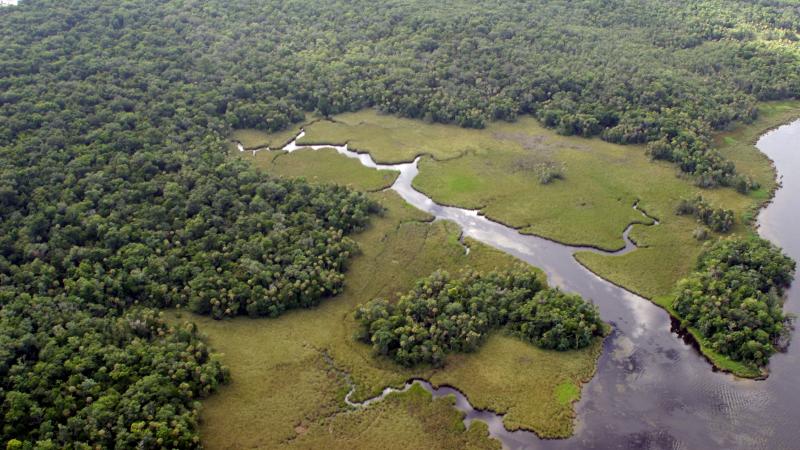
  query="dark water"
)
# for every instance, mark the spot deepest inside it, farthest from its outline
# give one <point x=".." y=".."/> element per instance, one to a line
<point x="652" y="390"/>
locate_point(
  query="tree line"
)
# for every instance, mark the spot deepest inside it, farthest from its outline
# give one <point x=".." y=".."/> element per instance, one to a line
<point x="631" y="72"/>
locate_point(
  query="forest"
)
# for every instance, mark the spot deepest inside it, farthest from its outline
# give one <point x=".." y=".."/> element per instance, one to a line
<point x="116" y="196"/>
<point x="444" y="314"/>
<point x="664" y="73"/>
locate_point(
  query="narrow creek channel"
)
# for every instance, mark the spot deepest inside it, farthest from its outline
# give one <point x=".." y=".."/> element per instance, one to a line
<point x="652" y="390"/>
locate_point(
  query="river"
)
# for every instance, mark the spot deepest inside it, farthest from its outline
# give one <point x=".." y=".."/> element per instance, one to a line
<point x="652" y="390"/>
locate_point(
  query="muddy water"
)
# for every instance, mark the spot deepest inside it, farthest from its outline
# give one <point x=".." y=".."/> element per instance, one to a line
<point x="652" y="390"/>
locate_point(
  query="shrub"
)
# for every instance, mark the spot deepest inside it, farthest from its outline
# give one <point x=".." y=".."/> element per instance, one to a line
<point x="549" y="172"/>
<point x="718" y="219"/>
<point x="700" y="233"/>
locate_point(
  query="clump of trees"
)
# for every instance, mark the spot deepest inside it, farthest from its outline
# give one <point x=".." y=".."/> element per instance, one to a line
<point x="718" y="219"/>
<point x="443" y="314"/>
<point x="734" y="298"/>
<point x="556" y="320"/>
<point x="694" y="155"/>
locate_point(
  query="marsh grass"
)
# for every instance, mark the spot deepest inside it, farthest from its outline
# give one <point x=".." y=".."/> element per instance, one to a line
<point x="567" y="393"/>
<point x="495" y="170"/>
<point x="411" y="420"/>
<point x="390" y="139"/>
<point x="252" y="138"/>
<point x="321" y="166"/>
<point x="284" y="393"/>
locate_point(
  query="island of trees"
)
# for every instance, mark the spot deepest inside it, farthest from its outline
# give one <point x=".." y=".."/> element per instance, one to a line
<point x="734" y="298"/>
<point x="444" y="314"/>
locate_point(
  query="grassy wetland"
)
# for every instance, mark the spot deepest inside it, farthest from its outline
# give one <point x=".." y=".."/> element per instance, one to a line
<point x="285" y="387"/>
<point x="290" y="390"/>
<point x="496" y="170"/>
<point x="321" y="166"/>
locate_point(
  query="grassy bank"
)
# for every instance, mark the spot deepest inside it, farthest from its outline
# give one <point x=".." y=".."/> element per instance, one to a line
<point x="321" y="166"/>
<point x="252" y="138"/>
<point x="285" y="393"/>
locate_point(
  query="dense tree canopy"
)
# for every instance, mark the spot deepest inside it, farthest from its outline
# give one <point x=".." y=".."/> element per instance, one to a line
<point x="116" y="196"/>
<point x="629" y="70"/>
<point x="72" y="379"/>
<point x="734" y="298"/>
<point x="556" y="320"/>
<point x="442" y="314"/>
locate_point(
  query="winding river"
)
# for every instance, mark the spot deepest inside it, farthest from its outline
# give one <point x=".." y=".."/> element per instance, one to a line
<point x="652" y="390"/>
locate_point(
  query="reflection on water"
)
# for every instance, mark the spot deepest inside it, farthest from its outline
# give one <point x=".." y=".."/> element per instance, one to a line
<point x="652" y="390"/>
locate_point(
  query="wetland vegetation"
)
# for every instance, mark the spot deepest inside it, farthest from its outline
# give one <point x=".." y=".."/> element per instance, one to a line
<point x="497" y="167"/>
<point x="454" y="359"/>
<point x="494" y="170"/>
<point x="260" y="406"/>
<point x="118" y="198"/>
